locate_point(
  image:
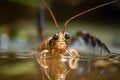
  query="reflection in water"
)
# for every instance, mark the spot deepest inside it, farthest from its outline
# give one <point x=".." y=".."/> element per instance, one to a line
<point x="55" y="68"/>
<point x="58" y="68"/>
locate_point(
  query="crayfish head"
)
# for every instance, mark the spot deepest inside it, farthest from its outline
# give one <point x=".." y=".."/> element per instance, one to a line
<point x="61" y="46"/>
<point x="59" y="41"/>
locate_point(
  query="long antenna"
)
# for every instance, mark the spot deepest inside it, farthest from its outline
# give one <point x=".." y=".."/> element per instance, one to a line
<point x="86" y="12"/>
<point x="52" y="15"/>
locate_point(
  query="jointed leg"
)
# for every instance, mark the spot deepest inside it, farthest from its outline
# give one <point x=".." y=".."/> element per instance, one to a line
<point x="73" y="53"/>
<point x="43" y="53"/>
<point x="69" y="53"/>
<point x="41" y="58"/>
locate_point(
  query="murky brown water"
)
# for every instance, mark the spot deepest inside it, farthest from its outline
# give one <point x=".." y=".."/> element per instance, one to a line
<point x="80" y="69"/>
<point x="14" y="67"/>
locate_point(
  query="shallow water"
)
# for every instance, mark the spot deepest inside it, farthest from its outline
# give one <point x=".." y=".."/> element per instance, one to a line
<point x="24" y="66"/>
<point x="17" y="66"/>
<point x="80" y="69"/>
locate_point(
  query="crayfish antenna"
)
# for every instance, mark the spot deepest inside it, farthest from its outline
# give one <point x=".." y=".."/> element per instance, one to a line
<point x="79" y="14"/>
<point x="52" y="15"/>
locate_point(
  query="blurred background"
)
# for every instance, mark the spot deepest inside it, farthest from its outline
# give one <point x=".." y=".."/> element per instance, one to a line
<point x="23" y="21"/>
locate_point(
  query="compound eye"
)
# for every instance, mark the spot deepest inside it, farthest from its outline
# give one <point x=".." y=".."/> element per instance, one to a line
<point x="67" y="35"/>
<point x="55" y="37"/>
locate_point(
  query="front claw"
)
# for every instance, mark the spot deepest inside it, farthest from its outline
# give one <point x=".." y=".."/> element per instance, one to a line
<point x="41" y="58"/>
<point x="43" y="54"/>
<point x="73" y="53"/>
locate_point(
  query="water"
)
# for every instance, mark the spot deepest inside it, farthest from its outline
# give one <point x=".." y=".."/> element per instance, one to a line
<point x="80" y="69"/>
<point x="17" y="66"/>
<point x="22" y="65"/>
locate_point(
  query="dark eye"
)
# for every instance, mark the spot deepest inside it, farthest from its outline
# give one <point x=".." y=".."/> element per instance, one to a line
<point x="55" y="37"/>
<point x="67" y="35"/>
